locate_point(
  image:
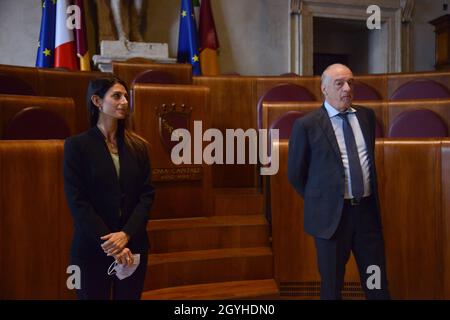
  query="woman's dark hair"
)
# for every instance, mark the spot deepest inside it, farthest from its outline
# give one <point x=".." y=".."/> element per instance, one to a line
<point x="98" y="87"/>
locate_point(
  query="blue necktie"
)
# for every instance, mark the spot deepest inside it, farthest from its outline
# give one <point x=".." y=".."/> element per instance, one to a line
<point x="356" y="176"/>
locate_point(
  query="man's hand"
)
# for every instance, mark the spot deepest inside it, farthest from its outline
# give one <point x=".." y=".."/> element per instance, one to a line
<point x="115" y="243"/>
<point x="125" y="257"/>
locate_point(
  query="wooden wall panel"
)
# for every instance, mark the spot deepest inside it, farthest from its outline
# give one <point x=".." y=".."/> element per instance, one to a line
<point x="294" y="251"/>
<point x="28" y="75"/>
<point x="396" y="80"/>
<point x="35" y="222"/>
<point x="440" y="106"/>
<point x="127" y="71"/>
<point x="376" y="81"/>
<point x="56" y="83"/>
<point x="411" y="207"/>
<point x="445" y="169"/>
<point x="174" y="199"/>
<point x="263" y="84"/>
<point x="232" y="107"/>
<point x="273" y="110"/>
<point x="414" y="180"/>
<point x="48" y="82"/>
<point x="10" y="105"/>
<point x="312" y="83"/>
<point x="385" y="111"/>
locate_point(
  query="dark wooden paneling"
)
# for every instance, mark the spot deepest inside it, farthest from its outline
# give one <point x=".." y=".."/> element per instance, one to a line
<point x="127" y="71"/>
<point x="35" y="222"/>
<point x="238" y="201"/>
<point x="445" y="168"/>
<point x="58" y="83"/>
<point x="174" y="199"/>
<point x="172" y="235"/>
<point x="413" y="180"/>
<point x="72" y="84"/>
<point x="10" y="105"/>
<point x="439" y="106"/>
<point x="273" y="110"/>
<point x="232" y="107"/>
<point x="385" y="111"/>
<point x="396" y="80"/>
<point x="411" y="207"/>
<point x="28" y="75"/>
<point x="249" y="289"/>
<point x="294" y="251"/>
<point x="206" y="266"/>
<point x="377" y="81"/>
<point x="263" y="84"/>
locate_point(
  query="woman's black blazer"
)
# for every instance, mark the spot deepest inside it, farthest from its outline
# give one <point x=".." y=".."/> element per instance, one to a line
<point x="99" y="201"/>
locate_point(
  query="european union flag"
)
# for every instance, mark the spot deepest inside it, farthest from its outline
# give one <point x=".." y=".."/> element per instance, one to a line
<point x="46" y="49"/>
<point x="187" y="38"/>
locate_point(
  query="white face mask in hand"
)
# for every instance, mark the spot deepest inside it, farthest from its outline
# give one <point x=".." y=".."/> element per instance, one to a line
<point x="123" y="271"/>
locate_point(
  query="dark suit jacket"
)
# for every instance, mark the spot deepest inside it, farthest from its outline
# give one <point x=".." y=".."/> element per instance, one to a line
<point x="96" y="196"/>
<point x="316" y="171"/>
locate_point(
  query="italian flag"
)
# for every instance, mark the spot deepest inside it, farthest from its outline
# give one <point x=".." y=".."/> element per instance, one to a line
<point x="65" y="46"/>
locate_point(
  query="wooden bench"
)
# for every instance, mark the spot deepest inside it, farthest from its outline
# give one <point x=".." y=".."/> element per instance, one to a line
<point x="385" y="111"/>
<point x="58" y="83"/>
<point x="10" y="105"/>
<point x="127" y="71"/>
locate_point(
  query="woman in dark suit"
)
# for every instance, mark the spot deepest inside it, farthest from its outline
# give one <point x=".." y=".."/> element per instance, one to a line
<point x="109" y="192"/>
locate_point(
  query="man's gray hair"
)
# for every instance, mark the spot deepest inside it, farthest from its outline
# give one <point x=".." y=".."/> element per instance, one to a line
<point x="325" y="78"/>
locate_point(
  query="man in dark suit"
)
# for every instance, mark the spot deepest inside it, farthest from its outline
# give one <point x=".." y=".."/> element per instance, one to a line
<point x="332" y="166"/>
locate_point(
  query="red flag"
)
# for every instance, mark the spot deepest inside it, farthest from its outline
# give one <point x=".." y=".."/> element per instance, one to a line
<point x="81" y="37"/>
<point x="209" y="43"/>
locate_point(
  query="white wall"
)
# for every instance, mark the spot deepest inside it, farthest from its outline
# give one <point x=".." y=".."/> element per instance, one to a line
<point x="423" y="33"/>
<point x="19" y="24"/>
<point x="253" y="34"/>
<point x="378" y="48"/>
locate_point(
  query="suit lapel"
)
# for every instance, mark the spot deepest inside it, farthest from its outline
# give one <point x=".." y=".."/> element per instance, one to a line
<point x="327" y="128"/>
<point x="123" y="158"/>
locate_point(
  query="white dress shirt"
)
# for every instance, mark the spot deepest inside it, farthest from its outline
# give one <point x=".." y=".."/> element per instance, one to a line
<point x="363" y="153"/>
